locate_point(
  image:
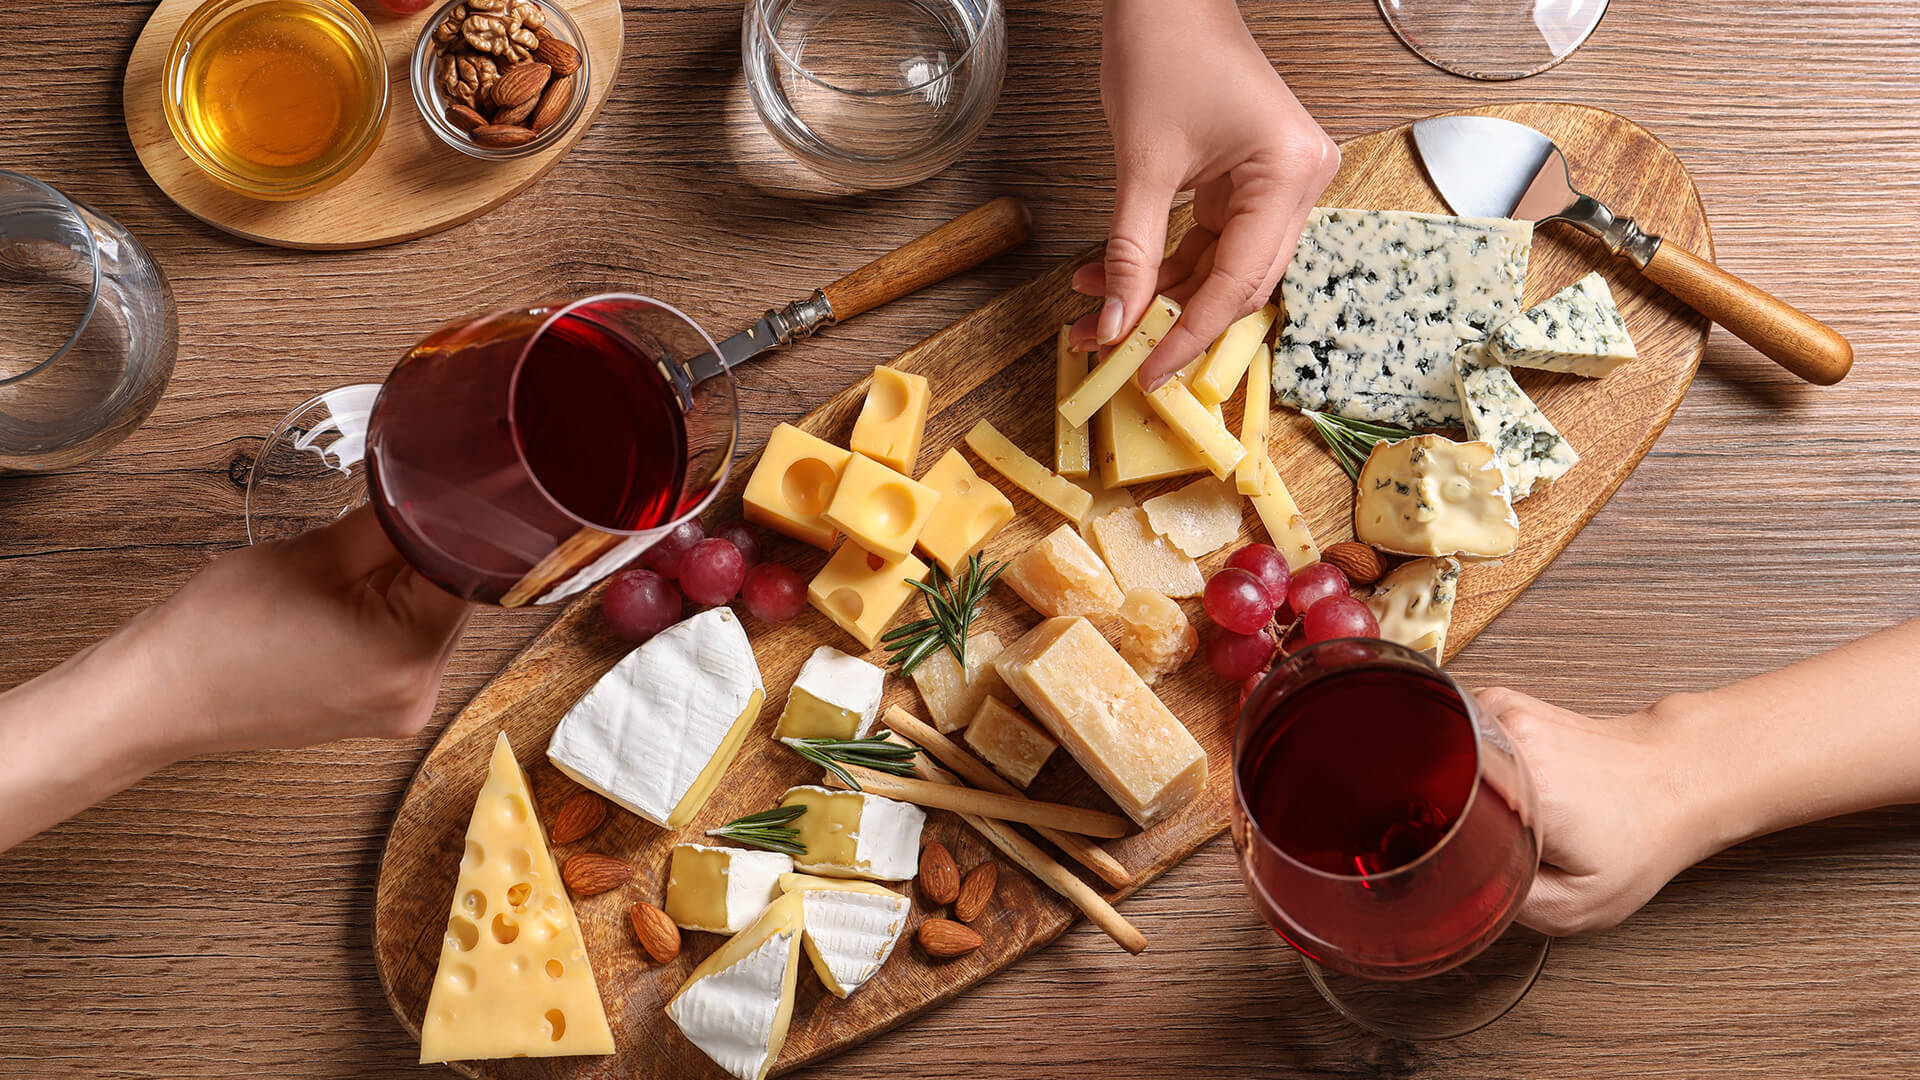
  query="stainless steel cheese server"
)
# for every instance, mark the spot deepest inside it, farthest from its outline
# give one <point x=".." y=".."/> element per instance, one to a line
<point x="1488" y="167"/>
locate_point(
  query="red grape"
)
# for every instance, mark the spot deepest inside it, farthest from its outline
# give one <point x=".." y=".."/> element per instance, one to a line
<point x="1238" y="657"/>
<point x="667" y="553"/>
<point x="640" y="603"/>
<point x="1337" y="617"/>
<point x="1267" y="564"/>
<point x="1253" y="682"/>
<point x="1313" y="583"/>
<point x="1236" y="600"/>
<point x="712" y="572"/>
<point x="773" y="593"/>
<point x="741" y="535"/>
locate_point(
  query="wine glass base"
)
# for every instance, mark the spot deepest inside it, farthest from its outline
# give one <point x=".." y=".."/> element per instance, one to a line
<point x="1493" y="40"/>
<point x="1444" y="1006"/>
<point x="311" y="470"/>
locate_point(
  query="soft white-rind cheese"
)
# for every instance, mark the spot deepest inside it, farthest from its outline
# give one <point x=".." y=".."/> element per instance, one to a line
<point x="1414" y="604"/>
<point x="1529" y="449"/>
<point x="834" y="696"/>
<point x="1427" y="495"/>
<point x="851" y="928"/>
<point x="1577" y="330"/>
<point x="737" y="1004"/>
<point x="1377" y="300"/>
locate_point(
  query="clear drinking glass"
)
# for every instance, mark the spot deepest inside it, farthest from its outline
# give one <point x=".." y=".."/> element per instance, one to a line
<point x="1495" y="40"/>
<point x="874" y="93"/>
<point x="1388" y="831"/>
<point x="89" y="333"/>
<point x="518" y="457"/>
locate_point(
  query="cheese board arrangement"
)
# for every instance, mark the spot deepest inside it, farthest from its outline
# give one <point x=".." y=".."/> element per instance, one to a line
<point x="996" y="610"/>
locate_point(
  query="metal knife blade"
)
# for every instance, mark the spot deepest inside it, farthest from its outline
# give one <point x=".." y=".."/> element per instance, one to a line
<point x="779" y="326"/>
<point x="1488" y="167"/>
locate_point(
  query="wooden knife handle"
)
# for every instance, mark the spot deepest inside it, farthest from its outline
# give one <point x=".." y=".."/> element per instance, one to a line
<point x="960" y="244"/>
<point x="1793" y="339"/>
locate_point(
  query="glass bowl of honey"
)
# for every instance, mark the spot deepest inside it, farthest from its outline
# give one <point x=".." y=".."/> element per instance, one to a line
<point x="277" y="99"/>
<point x="459" y="105"/>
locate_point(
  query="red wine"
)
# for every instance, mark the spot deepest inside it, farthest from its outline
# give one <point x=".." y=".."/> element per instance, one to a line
<point x="1378" y="839"/>
<point x="483" y="467"/>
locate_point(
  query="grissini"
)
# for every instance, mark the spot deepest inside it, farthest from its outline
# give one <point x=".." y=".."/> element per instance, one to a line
<point x="989" y="804"/>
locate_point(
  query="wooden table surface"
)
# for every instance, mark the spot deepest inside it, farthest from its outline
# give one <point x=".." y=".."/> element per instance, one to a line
<point x="214" y="920"/>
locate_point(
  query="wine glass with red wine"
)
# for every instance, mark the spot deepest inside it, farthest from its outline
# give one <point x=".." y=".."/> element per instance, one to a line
<point x="1388" y="831"/>
<point x="518" y="457"/>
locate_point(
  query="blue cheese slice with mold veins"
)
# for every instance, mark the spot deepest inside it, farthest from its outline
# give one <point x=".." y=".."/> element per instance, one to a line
<point x="1377" y="300"/>
<point x="1577" y="330"/>
<point x="1529" y="450"/>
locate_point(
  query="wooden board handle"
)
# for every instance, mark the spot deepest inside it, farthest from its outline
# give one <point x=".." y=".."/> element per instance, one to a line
<point x="960" y="244"/>
<point x="1790" y="337"/>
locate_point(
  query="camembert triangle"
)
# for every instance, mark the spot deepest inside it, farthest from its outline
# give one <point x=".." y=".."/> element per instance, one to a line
<point x="736" y="1005"/>
<point x="513" y="979"/>
<point x="850" y="927"/>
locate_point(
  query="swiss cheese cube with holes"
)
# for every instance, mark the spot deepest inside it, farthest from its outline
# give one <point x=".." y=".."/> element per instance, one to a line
<point x="513" y="979"/>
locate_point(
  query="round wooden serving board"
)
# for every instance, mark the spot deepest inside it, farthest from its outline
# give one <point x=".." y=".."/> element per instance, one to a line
<point x="997" y="363"/>
<point x="413" y="185"/>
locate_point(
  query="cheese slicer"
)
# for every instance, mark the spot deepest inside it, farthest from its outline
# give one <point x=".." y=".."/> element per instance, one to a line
<point x="1488" y="167"/>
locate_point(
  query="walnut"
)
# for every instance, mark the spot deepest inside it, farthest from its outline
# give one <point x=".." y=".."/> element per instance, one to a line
<point x="449" y="29"/>
<point x="528" y="13"/>
<point x="473" y="77"/>
<point x="498" y="36"/>
<point x="488" y="7"/>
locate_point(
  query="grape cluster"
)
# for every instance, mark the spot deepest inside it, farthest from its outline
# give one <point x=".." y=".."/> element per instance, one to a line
<point x="1255" y="586"/>
<point x="688" y="564"/>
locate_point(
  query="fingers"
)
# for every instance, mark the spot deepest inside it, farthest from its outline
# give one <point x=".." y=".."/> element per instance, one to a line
<point x="434" y="616"/>
<point x="354" y="546"/>
<point x="1554" y="904"/>
<point x="1179" y="275"/>
<point x="1246" y="266"/>
<point x="1135" y="245"/>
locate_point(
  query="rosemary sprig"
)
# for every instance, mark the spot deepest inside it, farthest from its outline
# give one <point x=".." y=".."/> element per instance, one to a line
<point x="952" y="605"/>
<point x="767" y="829"/>
<point x="878" y="753"/>
<point x="1350" y="441"/>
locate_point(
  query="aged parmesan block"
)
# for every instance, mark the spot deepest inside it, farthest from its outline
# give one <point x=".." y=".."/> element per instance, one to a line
<point x="1015" y="746"/>
<point x="1528" y="448"/>
<point x="1159" y="636"/>
<point x="1089" y="700"/>
<point x="1143" y="559"/>
<point x="1375" y="302"/>
<point x="1431" y="496"/>
<point x="953" y="696"/>
<point x="1200" y="519"/>
<point x="1576" y="330"/>
<point x="1061" y="575"/>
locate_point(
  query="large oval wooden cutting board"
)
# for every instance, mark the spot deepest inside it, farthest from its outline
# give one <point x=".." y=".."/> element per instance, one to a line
<point x="413" y="185"/>
<point x="994" y="363"/>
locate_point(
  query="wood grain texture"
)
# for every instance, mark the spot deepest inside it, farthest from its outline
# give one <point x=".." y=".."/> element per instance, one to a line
<point x="215" y="921"/>
<point x="413" y="185"/>
<point x="1790" y="337"/>
<point x="997" y="363"/>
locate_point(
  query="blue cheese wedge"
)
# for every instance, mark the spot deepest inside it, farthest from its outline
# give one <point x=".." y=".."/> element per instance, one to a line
<point x="835" y="696"/>
<point x="850" y="928"/>
<point x="1414" y="604"/>
<point x="737" y="1004"/>
<point x="655" y="733"/>
<point x="1528" y="448"/>
<point x="1431" y="496"/>
<point x="1376" y="302"/>
<point x="1577" y="330"/>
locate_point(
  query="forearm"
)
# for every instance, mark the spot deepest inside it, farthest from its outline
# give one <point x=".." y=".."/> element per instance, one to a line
<point x="1831" y="735"/>
<point x="78" y="734"/>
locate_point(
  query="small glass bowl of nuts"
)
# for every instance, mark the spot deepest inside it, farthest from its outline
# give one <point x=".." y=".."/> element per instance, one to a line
<point x="500" y="79"/>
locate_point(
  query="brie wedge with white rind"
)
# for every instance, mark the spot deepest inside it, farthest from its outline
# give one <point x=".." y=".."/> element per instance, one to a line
<point x="737" y="1004"/>
<point x="835" y="696"/>
<point x="1414" y="604"/>
<point x="849" y="927"/>
<point x="1426" y="495"/>
<point x="655" y="733"/>
<point x="721" y="890"/>
<point x="853" y="834"/>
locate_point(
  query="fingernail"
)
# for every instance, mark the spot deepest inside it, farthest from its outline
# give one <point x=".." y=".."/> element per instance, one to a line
<point x="1158" y="382"/>
<point x="1111" y="313"/>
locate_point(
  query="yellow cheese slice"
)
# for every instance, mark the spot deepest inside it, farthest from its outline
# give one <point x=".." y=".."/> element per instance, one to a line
<point x="513" y="979"/>
<point x="1028" y="475"/>
<point x="1200" y="427"/>
<point x="1132" y="445"/>
<point x="1286" y="526"/>
<point x="1121" y="364"/>
<point x="893" y="420"/>
<point x="1247" y="478"/>
<point x="1072" y="453"/>
<point x="1226" y="360"/>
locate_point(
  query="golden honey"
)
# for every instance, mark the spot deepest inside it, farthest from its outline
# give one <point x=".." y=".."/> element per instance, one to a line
<point x="277" y="98"/>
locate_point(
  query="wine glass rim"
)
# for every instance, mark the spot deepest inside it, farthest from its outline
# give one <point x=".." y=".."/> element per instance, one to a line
<point x="555" y="314"/>
<point x="93" y="264"/>
<point x="1396" y="651"/>
<point x="760" y="7"/>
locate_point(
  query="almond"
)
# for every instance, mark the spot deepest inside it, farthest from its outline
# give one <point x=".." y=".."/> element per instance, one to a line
<point x="976" y="891"/>
<point x="655" y="931"/>
<point x="515" y="115"/>
<point x="553" y="104"/>
<point x="588" y="873"/>
<point x="563" y="58"/>
<point x="945" y="938"/>
<point x="939" y="875"/>
<point x="577" y="819"/>
<point x="464" y="118"/>
<point x="502" y="136"/>
<point x="521" y="82"/>
<point x="1361" y="564"/>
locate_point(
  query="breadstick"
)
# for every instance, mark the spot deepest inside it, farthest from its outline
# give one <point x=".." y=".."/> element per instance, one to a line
<point x="990" y="804"/>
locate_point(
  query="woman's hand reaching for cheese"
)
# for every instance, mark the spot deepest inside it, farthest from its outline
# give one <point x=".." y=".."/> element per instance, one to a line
<point x="1194" y="104"/>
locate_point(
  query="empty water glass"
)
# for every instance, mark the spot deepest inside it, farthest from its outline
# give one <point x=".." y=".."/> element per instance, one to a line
<point x="88" y="340"/>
